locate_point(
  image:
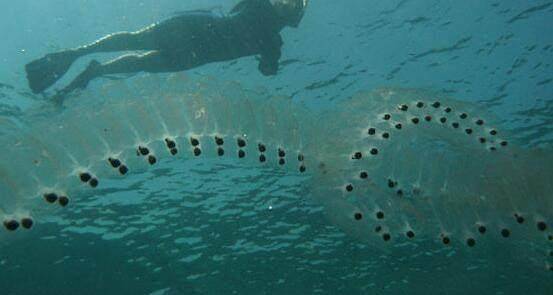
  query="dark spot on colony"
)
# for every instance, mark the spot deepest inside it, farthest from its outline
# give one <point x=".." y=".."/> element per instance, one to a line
<point x="410" y="234"/>
<point x="436" y="104"/>
<point x="505" y="233"/>
<point x="378" y="228"/>
<point x="479" y="122"/>
<point x="482" y="229"/>
<point x="387" y="117"/>
<point x="374" y="151"/>
<point x="281" y="161"/>
<point x="398" y="126"/>
<point x="281" y="153"/>
<point x="93" y="182"/>
<point x="349" y="187"/>
<point x="220" y="152"/>
<point x="241" y="142"/>
<point x="415" y="120"/>
<point x="51" y="197"/>
<point x="443" y="120"/>
<point x="391" y="183"/>
<point x="379" y="215"/>
<point x="219" y="140"/>
<point x="493" y="148"/>
<point x="363" y="175"/>
<point x="468" y="131"/>
<point x="11" y="224"/>
<point x="302" y="168"/>
<point x="241" y="154"/>
<point x="26" y="223"/>
<point x="446" y="240"/>
<point x="123" y="170"/>
<point x="194" y="141"/>
<point x="358" y="216"/>
<point x="85" y="177"/>
<point x="262" y="158"/>
<point x="301" y="158"/>
<point x="386" y="237"/>
<point x="115" y="163"/>
<point x="482" y="140"/>
<point x="471" y="242"/>
<point x="403" y="107"/>
<point x="371" y="131"/>
<point x="420" y="104"/>
<point x="493" y="132"/>
<point x="455" y="125"/>
<point x="519" y="219"/>
<point x="170" y="143"/>
<point x="385" y="135"/>
<point x="152" y="159"/>
<point x="144" y="151"/>
<point x="428" y="118"/>
<point x="541" y="226"/>
<point x="463" y="116"/>
<point x="503" y="143"/>
<point x="357" y="156"/>
<point x="261" y="148"/>
<point x="197" y="151"/>
<point x="63" y="201"/>
<point x="174" y="151"/>
<point x="447" y="110"/>
<point x="399" y="192"/>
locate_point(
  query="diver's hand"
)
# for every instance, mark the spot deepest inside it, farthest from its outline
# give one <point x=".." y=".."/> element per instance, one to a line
<point x="268" y="68"/>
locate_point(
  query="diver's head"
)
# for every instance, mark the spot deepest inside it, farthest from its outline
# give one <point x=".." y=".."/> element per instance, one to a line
<point x="290" y="11"/>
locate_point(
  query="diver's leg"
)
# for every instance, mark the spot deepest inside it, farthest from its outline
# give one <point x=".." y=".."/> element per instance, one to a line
<point x="122" y="41"/>
<point x="44" y="72"/>
<point x="152" y="62"/>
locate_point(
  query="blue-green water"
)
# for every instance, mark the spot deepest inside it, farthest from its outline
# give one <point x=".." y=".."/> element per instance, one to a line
<point x="218" y="227"/>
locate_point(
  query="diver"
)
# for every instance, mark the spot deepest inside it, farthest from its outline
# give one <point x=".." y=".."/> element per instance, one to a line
<point x="180" y="43"/>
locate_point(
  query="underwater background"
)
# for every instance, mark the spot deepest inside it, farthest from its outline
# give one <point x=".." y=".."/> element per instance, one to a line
<point x="221" y="228"/>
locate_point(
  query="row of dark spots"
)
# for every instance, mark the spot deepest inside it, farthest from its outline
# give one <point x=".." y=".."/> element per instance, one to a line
<point x="172" y="146"/>
<point x="359" y="155"/>
<point x="195" y="146"/>
<point x="13" y="224"/>
<point x="53" y="198"/>
<point x="86" y="177"/>
<point x="372" y="131"/>
<point x="145" y="152"/>
<point x="117" y="164"/>
<point x="392" y="184"/>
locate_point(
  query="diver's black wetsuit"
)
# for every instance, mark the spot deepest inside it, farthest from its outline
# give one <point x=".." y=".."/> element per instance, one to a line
<point x="197" y="38"/>
<point x="180" y="43"/>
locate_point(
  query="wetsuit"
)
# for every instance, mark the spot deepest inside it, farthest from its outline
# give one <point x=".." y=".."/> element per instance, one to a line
<point x="180" y="43"/>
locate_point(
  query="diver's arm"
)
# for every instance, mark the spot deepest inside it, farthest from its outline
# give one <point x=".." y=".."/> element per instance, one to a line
<point x="270" y="55"/>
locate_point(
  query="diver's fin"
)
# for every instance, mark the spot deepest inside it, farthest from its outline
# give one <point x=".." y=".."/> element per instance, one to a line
<point x="44" y="72"/>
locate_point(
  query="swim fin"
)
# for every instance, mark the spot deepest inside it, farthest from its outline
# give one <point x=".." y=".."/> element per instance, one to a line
<point x="44" y="72"/>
